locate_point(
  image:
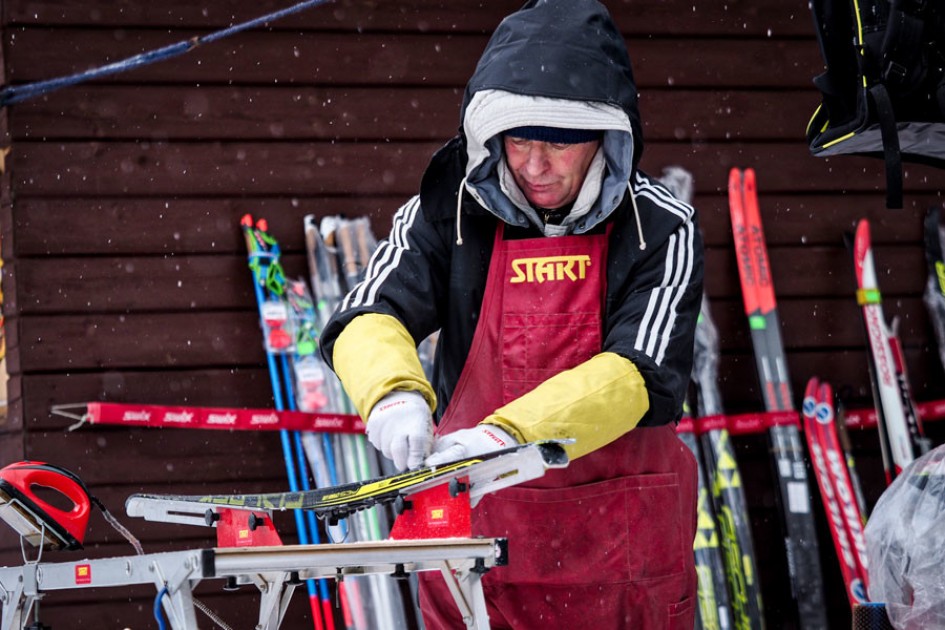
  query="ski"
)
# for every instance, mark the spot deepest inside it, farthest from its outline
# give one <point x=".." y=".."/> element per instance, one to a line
<point x="327" y="453"/>
<point x="713" y="612"/>
<point x="725" y="480"/>
<point x="846" y="447"/>
<point x="793" y="495"/>
<point x="723" y="503"/>
<point x="934" y="295"/>
<point x="900" y="431"/>
<point x="485" y="473"/>
<point x="836" y="489"/>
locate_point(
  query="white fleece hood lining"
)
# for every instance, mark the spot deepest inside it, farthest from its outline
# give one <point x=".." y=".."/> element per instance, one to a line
<point x="490" y="112"/>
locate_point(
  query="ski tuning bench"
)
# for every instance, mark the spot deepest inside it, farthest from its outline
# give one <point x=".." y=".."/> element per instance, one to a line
<point x="275" y="571"/>
<point x="432" y="533"/>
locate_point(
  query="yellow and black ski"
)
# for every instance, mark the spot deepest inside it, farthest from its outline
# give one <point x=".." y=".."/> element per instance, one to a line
<point x="338" y="502"/>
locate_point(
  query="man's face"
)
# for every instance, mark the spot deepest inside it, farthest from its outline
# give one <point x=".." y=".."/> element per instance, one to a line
<point x="550" y="175"/>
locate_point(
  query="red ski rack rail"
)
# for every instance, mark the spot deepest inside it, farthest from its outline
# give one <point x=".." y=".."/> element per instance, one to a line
<point x="210" y="418"/>
<point x="746" y="423"/>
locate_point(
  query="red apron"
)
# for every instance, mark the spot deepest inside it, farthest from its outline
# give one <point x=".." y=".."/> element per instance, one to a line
<point x="607" y="541"/>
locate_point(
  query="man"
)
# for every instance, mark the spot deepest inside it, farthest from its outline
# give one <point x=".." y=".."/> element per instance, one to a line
<point x="565" y="284"/>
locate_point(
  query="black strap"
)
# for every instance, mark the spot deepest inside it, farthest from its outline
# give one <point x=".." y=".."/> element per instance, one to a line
<point x="891" y="153"/>
<point x="902" y="64"/>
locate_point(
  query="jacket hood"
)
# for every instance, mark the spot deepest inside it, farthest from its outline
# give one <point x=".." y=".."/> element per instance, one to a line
<point x="553" y="63"/>
<point x="560" y="49"/>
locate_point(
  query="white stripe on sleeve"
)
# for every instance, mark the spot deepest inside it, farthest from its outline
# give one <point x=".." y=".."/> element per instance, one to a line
<point x="385" y="259"/>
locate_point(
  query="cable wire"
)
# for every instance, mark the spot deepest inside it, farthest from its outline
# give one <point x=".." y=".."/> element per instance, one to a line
<point x="17" y="94"/>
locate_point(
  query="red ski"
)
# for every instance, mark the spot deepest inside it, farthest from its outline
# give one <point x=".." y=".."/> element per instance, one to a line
<point x="900" y="430"/>
<point x="787" y="447"/>
<point x="836" y="489"/>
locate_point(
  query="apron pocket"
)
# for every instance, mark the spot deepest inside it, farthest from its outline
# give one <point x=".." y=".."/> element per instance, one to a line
<point x="615" y="531"/>
<point x="681" y="615"/>
<point x="537" y="346"/>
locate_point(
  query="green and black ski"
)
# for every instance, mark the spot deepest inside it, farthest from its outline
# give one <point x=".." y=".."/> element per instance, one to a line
<point x="934" y="295"/>
<point x="725" y="480"/>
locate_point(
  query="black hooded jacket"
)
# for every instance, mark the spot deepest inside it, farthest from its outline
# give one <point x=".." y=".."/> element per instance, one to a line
<point x="560" y="51"/>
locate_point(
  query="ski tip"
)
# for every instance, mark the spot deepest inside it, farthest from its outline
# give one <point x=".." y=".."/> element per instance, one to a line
<point x="861" y="246"/>
<point x="812" y="385"/>
<point x="247" y="220"/>
<point x="749" y="176"/>
<point x="863" y="227"/>
<point x="262" y="225"/>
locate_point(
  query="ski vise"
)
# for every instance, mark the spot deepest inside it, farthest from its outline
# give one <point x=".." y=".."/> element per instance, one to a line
<point x="236" y="527"/>
<point x="442" y="511"/>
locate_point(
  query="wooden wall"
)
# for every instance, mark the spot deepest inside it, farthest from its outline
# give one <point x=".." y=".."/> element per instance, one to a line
<point x="125" y="275"/>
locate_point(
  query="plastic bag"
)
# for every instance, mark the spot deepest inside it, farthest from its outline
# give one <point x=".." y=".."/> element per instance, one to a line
<point x="905" y="541"/>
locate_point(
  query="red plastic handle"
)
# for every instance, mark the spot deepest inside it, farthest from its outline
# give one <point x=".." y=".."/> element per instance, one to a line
<point x="29" y="474"/>
<point x="52" y="479"/>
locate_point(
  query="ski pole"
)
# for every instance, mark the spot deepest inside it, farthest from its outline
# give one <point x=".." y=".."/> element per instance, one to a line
<point x="306" y="486"/>
<point x="258" y="257"/>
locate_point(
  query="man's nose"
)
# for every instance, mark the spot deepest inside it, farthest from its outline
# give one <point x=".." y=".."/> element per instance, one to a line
<point x="536" y="161"/>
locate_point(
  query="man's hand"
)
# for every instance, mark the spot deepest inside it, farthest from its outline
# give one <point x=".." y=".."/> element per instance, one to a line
<point x="401" y="427"/>
<point x="481" y="439"/>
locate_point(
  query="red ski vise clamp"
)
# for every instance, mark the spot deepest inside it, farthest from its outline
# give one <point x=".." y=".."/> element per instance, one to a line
<point x="26" y="489"/>
<point x="443" y="511"/>
<point x="243" y="528"/>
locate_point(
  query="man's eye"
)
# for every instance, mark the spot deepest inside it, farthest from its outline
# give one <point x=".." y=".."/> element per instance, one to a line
<point x="558" y="147"/>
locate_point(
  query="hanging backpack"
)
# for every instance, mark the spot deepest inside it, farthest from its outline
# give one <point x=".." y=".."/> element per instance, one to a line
<point x="884" y="85"/>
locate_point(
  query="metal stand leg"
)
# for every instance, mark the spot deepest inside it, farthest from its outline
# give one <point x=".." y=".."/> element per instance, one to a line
<point x="178" y="603"/>
<point x="179" y="606"/>
<point x="466" y="588"/>
<point x="16" y="607"/>
<point x="275" y="594"/>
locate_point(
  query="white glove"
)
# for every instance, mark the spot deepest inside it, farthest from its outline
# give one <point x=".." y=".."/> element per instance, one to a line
<point x="481" y="439"/>
<point x="401" y="427"/>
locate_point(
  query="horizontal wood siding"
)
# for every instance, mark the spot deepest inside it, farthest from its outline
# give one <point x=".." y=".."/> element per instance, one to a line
<point x="125" y="274"/>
